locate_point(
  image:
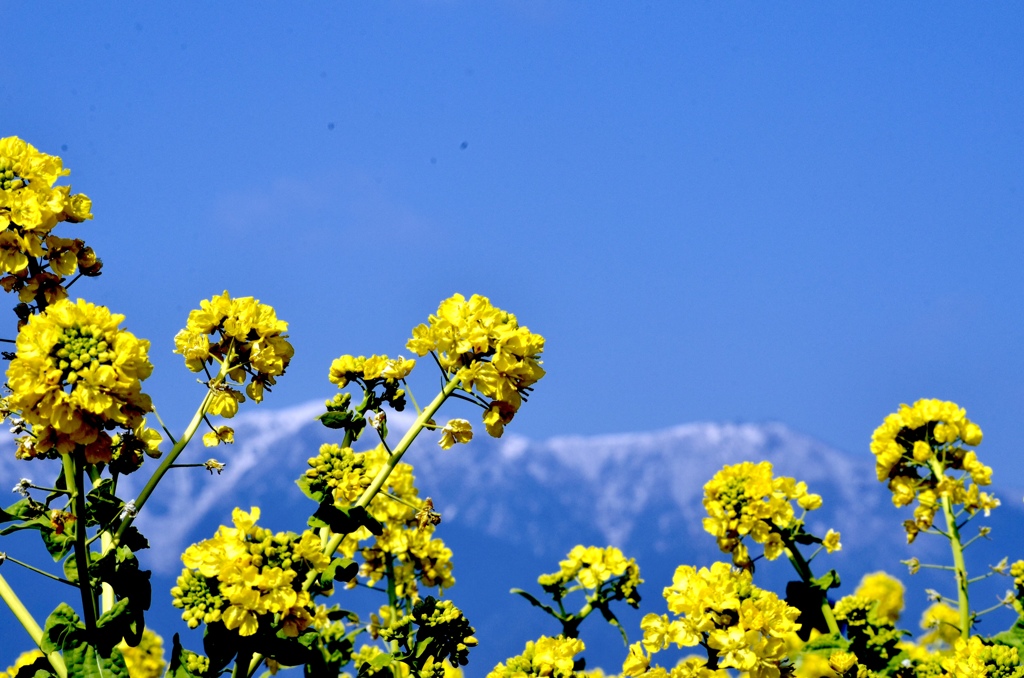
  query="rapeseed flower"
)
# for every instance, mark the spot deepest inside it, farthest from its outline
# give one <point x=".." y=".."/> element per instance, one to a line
<point x="487" y="350"/>
<point x="915" y="448"/>
<point x="887" y="591"/>
<point x="30" y="207"/>
<point x="544" y="657"/>
<point x="244" y="338"/>
<point x="590" y="567"/>
<point x="720" y="608"/>
<point x="246" y="576"/>
<point x="747" y="500"/>
<point x="76" y="377"/>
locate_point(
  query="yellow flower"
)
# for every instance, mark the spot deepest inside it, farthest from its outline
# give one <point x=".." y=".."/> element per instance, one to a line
<point x="841" y="661"/>
<point x="244" y="338"/>
<point x="247" y="577"/>
<point x="887" y="590"/>
<point x="545" y="657"/>
<point x="942" y="623"/>
<point x="455" y="431"/>
<point x="221" y="434"/>
<point x="487" y="350"/>
<point x="831" y="541"/>
<point x="145" y="660"/>
<point x="77" y="375"/>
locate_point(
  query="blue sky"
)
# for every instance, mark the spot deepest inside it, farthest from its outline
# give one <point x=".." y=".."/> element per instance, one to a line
<point x="737" y="211"/>
<point x="713" y="211"/>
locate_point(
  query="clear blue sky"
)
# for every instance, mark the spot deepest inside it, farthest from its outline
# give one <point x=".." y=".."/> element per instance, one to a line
<point x="713" y="211"/>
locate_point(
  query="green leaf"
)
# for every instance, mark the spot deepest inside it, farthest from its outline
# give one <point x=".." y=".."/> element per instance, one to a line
<point x="340" y="569"/>
<point x="335" y="420"/>
<point x="71" y="569"/>
<point x="85" y="660"/>
<point x="825" y="645"/>
<point x="829" y="580"/>
<point x="101" y="504"/>
<point x="1013" y="636"/>
<point x="62" y="629"/>
<point x="59" y="545"/>
<point x="21" y="510"/>
<point x="305" y="484"/>
<point x="381" y="661"/>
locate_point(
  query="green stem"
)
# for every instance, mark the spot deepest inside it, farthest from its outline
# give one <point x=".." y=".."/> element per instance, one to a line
<point x="106" y="543"/>
<point x="241" y="669"/>
<point x="803" y="569"/>
<point x="7" y="558"/>
<point x="389" y="571"/>
<point x="396" y="456"/>
<point x="166" y="464"/>
<point x="959" y="568"/>
<point x="22" y="614"/>
<point x="74" y="475"/>
<point x="403" y="445"/>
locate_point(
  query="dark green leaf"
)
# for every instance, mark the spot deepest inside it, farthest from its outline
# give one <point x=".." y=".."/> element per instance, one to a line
<point x="40" y="668"/>
<point x="340" y="569"/>
<point x="176" y="668"/>
<point x="220" y="646"/>
<point x="536" y="603"/>
<point x="101" y="504"/>
<point x="335" y="420"/>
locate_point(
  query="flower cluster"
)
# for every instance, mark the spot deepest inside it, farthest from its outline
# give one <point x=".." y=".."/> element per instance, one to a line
<point x="484" y="348"/>
<point x="349" y="368"/>
<point x="887" y="592"/>
<point x="742" y="626"/>
<point x="592" y="566"/>
<point x="406" y="536"/>
<point x="145" y="660"/>
<point x="30" y="207"/>
<point x="247" y="576"/>
<point x="545" y="657"/>
<point x="914" y="449"/>
<point x="76" y="377"/>
<point x="245" y="338"/>
<point x="746" y="499"/>
<point x="972" y="657"/>
<point x="873" y="637"/>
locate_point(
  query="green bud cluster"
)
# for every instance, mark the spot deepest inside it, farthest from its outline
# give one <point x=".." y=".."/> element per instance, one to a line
<point x="1002" y="661"/>
<point x="9" y="181"/>
<point x="195" y="664"/>
<point x="329" y="468"/>
<point x="193" y="595"/>
<point x="78" y="348"/>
